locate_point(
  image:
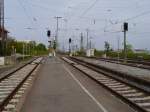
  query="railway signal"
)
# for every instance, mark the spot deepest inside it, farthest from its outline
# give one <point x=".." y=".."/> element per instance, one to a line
<point x="125" y="27"/>
<point x="69" y="40"/>
<point x="70" y="45"/>
<point x="48" y="33"/>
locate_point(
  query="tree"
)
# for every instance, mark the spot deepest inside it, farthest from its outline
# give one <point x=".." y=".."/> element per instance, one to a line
<point x="41" y="47"/>
<point x="107" y="47"/>
<point x="129" y="48"/>
<point x="10" y="44"/>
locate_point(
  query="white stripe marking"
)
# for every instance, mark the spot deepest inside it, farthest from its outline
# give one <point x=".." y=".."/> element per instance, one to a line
<point x="85" y="90"/>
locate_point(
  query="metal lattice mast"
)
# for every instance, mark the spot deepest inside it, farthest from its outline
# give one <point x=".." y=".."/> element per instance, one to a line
<point x="57" y="29"/>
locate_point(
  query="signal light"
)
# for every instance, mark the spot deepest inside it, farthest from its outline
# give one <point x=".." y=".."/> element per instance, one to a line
<point x="48" y="33"/>
<point x="125" y="26"/>
<point x="69" y="40"/>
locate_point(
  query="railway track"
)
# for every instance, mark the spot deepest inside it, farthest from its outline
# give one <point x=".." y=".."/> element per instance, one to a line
<point x="134" y="96"/>
<point x="13" y="85"/>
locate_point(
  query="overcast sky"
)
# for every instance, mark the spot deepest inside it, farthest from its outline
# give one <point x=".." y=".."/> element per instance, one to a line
<point x="29" y="20"/>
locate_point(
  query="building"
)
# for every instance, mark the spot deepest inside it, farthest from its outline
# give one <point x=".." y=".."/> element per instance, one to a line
<point x="5" y="34"/>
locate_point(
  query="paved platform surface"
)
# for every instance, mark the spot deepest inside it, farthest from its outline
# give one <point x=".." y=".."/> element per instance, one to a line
<point x="60" y="88"/>
<point x="138" y="72"/>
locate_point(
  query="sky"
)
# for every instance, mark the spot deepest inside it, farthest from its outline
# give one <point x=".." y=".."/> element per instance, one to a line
<point x="30" y="19"/>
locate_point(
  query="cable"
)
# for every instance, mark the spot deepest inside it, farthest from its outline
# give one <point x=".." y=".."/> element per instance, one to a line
<point x="24" y="9"/>
<point x="89" y="8"/>
<point x="131" y="18"/>
<point x="40" y="6"/>
<point x="139" y="15"/>
<point x="30" y="18"/>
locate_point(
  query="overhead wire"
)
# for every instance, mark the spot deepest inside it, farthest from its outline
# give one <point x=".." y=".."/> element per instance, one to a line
<point x="31" y="19"/>
<point x="130" y="18"/>
<point x="139" y="15"/>
<point x="25" y="11"/>
<point x="118" y="22"/>
<point x="89" y="8"/>
<point x="40" y="6"/>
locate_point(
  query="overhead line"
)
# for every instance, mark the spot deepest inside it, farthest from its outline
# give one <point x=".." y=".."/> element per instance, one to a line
<point x="139" y="15"/>
<point x="89" y="8"/>
<point x="131" y="18"/>
<point x="40" y="6"/>
<point x="24" y="9"/>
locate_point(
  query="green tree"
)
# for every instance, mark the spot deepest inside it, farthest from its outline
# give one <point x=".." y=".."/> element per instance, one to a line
<point x="9" y="46"/>
<point x="107" y="47"/>
<point x="129" y="48"/>
<point x="41" y="47"/>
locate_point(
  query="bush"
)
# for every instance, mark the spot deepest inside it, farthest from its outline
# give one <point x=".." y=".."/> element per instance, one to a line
<point x="130" y="55"/>
<point x="98" y="53"/>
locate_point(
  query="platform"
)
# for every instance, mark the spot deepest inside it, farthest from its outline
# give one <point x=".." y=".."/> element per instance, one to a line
<point x="129" y="70"/>
<point x="57" y="89"/>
